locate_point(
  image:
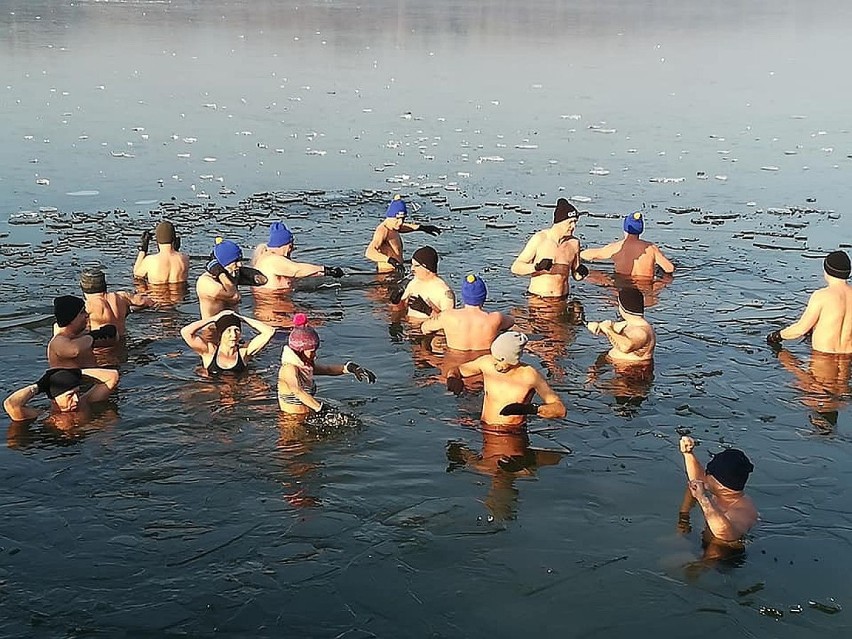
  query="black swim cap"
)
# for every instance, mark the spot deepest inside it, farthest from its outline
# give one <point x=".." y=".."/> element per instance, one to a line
<point x="226" y="321"/>
<point x="66" y="308"/>
<point x="731" y="468"/>
<point x="63" y="380"/>
<point x="93" y="281"/>
<point x="427" y="257"/>
<point x="564" y="211"/>
<point x="632" y="301"/>
<point x="837" y="264"/>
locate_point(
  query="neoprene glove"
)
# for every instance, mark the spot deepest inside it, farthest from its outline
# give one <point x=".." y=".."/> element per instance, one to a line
<point x="144" y="241"/>
<point x="417" y="303"/>
<point x="397" y="265"/>
<point x="107" y="331"/>
<point x="774" y="338"/>
<point x="360" y="373"/>
<point x="581" y="272"/>
<point x="248" y="276"/>
<point x="176" y="243"/>
<point x="544" y="265"/>
<point x="431" y="229"/>
<point x="455" y="385"/>
<point x="332" y="271"/>
<point x="517" y="408"/>
<point x="215" y="269"/>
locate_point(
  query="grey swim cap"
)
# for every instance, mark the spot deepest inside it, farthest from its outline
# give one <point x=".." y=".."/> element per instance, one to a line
<point x="509" y="346"/>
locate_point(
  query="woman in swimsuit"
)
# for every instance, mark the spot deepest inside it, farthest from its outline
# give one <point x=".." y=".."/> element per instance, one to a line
<point x="296" y="385"/>
<point x="224" y="353"/>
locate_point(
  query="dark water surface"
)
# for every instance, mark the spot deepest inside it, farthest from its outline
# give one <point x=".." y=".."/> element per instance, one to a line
<point x="193" y="508"/>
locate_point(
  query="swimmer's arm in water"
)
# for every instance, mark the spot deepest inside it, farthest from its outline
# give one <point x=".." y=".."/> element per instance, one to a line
<point x="552" y="406"/>
<point x="16" y="404"/>
<point x="196" y="343"/>
<point x="662" y="261"/>
<point x="694" y="469"/>
<point x="807" y="321"/>
<point x="603" y="253"/>
<point x="523" y="264"/>
<point x="265" y="332"/>
<point x="107" y="379"/>
<point x="374" y="248"/>
<point x="288" y="382"/>
<point x="718" y="523"/>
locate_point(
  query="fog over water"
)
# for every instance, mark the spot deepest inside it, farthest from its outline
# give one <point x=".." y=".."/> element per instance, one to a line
<point x="190" y="507"/>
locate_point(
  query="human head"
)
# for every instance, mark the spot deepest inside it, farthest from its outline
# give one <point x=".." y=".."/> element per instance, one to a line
<point x="67" y="308"/>
<point x="165" y="233"/>
<point x="631" y="301"/>
<point x="397" y="210"/>
<point x="634" y="224"/>
<point x="227" y="254"/>
<point x="836" y="264"/>
<point x="279" y="235"/>
<point x="427" y="257"/>
<point x="730" y="468"/>
<point x="303" y="339"/>
<point x="473" y="290"/>
<point x="564" y="211"/>
<point x="229" y="328"/>
<point x="92" y="280"/>
<point x="64" y="388"/>
<point x="507" y="350"/>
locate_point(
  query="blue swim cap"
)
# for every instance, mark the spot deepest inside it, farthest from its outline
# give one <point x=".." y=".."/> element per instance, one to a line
<point x="279" y="235"/>
<point x="397" y="208"/>
<point x="226" y="252"/>
<point x="634" y="223"/>
<point x="473" y="290"/>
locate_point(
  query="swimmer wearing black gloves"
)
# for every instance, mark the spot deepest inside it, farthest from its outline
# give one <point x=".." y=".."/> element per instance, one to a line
<point x="168" y="265"/>
<point x="385" y="249"/>
<point x="509" y="384"/>
<point x="71" y="345"/>
<point x="552" y="256"/>
<point x="62" y="386"/>
<point x="296" y="386"/>
<point x="222" y="353"/>
<point x="274" y="261"/>
<point x="426" y="294"/>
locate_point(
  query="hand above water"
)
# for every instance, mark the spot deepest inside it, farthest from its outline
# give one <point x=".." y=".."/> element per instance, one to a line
<point x="687" y="445"/>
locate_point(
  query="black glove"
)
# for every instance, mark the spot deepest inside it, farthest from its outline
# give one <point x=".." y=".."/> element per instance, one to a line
<point x="517" y="408"/>
<point x="43" y="382"/>
<point x="144" y="241"/>
<point x="544" y="265"/>
<point x="417" y="303"/>
<point x="455" y="385"/>
<point x="397" y="265"/>
<point x="396" y="331"/>
<point x="248" y="276"/>
<point x="396" y="294"/>
<point x="774" y="338"/>
<point x="581" y="272"/>
<point x="107" y="331"/>
<point x="332" y="271"/>
<point x="215" y="269"/>
<point x="360" y="373"/>
<point x="176" y="243"/>
<point x="431" y="229"/>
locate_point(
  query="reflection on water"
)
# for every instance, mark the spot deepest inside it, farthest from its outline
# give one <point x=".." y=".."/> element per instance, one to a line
<point x="823" y="384"/>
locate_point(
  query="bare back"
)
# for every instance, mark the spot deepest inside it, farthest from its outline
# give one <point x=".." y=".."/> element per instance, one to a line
<point x="166" y="267"/>
<point x="642" y="338"/>
<point x="470" y="328"/>
<point x="832" y="332"/>
<point x="108" y="308"/>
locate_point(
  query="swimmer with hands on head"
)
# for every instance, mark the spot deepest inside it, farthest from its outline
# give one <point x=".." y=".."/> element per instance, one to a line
<point x="551" y="256"/>
<point x="296" y="386"/>
<point x="828" y="313"/>
<point x="729" y="512"/>
<point x="509" y="384"/>
<point x="633" y="339"/>
<point x="62" y="386"/>
<point x="224" y="354"/>
<point x="168" y="265"/>
<point x="632" y="256"/>
<point x="273" y="259"/>
<point x="385" y="249"/>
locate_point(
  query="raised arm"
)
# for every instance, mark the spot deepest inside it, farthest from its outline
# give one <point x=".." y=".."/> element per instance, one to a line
<point x="139" y="268"/>
<point x="189" y="334"/>
<point x="694" y="469"/>
<point x="265" y="332"/>
<point x="15" y="404"/>
<point x="107" y="379"/>
<point x="723" y="526"/>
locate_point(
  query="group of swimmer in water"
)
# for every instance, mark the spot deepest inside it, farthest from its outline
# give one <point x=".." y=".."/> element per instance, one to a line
<point x="487" y="347"/>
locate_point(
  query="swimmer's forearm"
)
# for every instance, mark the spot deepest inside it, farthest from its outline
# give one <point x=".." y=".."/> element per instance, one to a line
<point x="16" y="403"/>
<point x="106" y="376"/>
<point x="694" y="469"/>
<point x="717" y="522"/>
<point x="329" y="369"/>
<point x="522" y="268"/>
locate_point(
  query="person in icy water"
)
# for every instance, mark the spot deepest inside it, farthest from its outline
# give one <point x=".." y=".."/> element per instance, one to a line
<point x="630" y="255"/>
<point x="385" y="249"/>
<point x="168" y="265"/>
<point x="828" y="314"/>
<point x="71" y="344"/>
<point x="632" y="339"/>
<point x="296" y="386"/>
<point x="62" y="386"/>
<point x="109" y="308"/>
<point x="274" y="260"/>
<point x="728" y="511"/>
<point x="426" y="294"/>
<point x="222" y="351"/>
<point x="552" y="256"/>
<point x="509" y="384"/>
